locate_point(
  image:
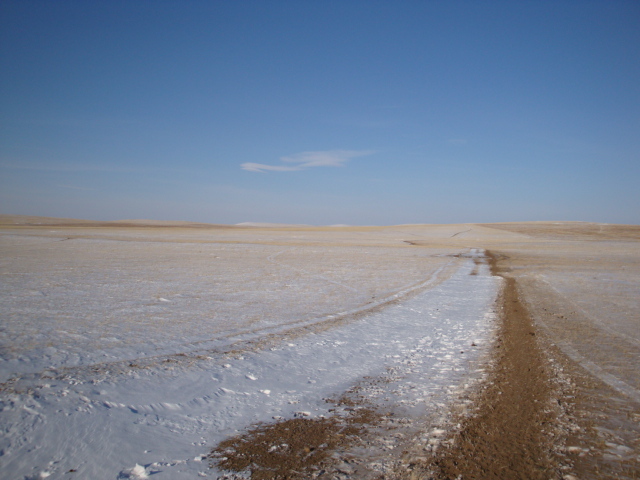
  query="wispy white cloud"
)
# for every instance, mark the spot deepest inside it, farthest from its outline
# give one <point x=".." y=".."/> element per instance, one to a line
<point x="304" y="160"/>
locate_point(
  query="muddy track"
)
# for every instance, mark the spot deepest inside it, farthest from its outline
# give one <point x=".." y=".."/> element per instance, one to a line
<point x="538" y="416"/>
<point x="510" y="433"/>
<point x="541" y="414"/>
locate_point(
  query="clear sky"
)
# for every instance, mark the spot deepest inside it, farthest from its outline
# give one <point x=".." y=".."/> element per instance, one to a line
<point x="321" y="112"/>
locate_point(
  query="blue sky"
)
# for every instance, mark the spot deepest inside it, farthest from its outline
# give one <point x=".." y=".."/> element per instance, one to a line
<point x="321" y="112"/>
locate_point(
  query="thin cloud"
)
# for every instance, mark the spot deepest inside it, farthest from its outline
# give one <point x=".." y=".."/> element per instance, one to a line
<point x="304" y="160"/>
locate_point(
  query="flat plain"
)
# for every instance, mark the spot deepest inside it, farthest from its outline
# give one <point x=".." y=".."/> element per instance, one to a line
<point x="192" y="333"/>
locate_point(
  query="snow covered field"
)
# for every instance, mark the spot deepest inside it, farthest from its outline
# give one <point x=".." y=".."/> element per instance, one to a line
<point x="123" y="359"/>
<point x="80" y="302"/>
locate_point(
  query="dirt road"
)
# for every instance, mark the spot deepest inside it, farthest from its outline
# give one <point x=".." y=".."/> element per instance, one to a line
<point x="563" y="400"/>
<point x="582" y="290"/>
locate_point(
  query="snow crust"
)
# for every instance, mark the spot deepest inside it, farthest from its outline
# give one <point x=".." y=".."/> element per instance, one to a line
<point x="81" y="302"/>
<point x="161" y="421"/>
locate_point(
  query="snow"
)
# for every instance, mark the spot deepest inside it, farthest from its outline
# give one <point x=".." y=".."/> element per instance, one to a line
<point x="81" y="302"/>
<point x="135" y="473"/>
<point x="160" y="416"/>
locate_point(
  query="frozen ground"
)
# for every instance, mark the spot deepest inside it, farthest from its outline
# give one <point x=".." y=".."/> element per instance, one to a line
<point x="581" y="283"/>
<point x="590" y="293"/>
<point x="79" y="302"/>
<point x="128" y="357"/>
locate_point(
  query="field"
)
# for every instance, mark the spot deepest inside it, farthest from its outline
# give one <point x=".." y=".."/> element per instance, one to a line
<point x="177" y="350"/>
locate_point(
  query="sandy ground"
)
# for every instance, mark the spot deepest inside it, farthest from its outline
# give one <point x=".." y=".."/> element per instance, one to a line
<point x="565" y="364"/>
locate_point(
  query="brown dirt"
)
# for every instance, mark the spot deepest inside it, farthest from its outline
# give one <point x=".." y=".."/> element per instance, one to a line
<point x="292" y="449"/>
<point x="510" y="434"/>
